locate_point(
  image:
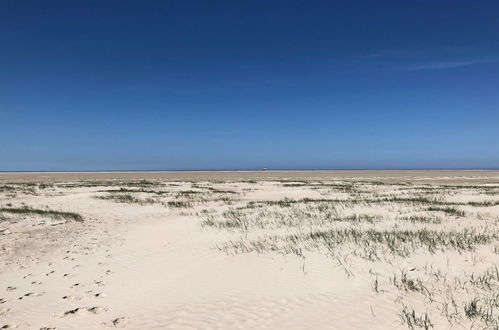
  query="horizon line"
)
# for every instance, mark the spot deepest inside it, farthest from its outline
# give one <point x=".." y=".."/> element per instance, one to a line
<point x="259" y="170"/>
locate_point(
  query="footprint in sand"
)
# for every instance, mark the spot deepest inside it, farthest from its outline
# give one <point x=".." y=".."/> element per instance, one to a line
<point x="92" y="294"/>
<point x="99" y="295"/>
<point x="36" y="283"/>
<point x="3" y="300"/>
<point x="85" y="310"/>
<point x="11" y="288"/>
<point x="4" y="311"/>
<point x="31" y="294"/>
<point x="48" y="328"/>
<point x="119" y="322"/>
<point x="26" y="295"/>
<point x="70" y="297"/>
<point x="100" y="283"/>
<point x="76" y="285"/>
<point x="50" y="273"/>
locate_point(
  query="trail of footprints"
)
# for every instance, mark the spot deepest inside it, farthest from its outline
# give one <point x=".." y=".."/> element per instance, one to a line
<point x="118" y="322"/>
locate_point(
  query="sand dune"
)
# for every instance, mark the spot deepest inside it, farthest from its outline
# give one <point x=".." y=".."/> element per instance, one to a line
<point x="252" y="250"/>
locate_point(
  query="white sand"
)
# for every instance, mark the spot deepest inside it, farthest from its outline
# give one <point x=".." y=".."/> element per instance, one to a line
<point x="155" y="267"/>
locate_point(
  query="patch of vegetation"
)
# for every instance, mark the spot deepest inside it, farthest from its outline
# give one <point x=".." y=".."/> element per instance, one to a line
<point x="213" y="190"/>
<point x="484" y="309"/>
<point x="448" y="210"/>
<point x="189" y="192"/>
<point x="409" y="317"/>
<point x="371" y="244"/>
<point x="294" y="185"/>
<point x="483" y="204"/>
<point x="408" y="284"/>
<point x="179" y="204"/>
<point x="333" y="227"/>
<point x="295" y="216"/>
<point x="488" y="280"/>
<point x="286" y="202"/>
<point x="28" y="188"/>
<point x="7" y="188"/>
<point x="127" y="199"/>
<point x="141" y="190"/>
<point x="28" y="211"/>
<point x="109" y="183"/>
<point x="422" y="219"/>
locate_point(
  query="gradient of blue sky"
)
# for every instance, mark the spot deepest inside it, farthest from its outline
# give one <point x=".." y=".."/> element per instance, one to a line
<point x="89" y="85"/>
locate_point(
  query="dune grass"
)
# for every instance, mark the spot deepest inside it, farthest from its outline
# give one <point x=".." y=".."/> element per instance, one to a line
<point x="388" y="223"/>
<point x="412" y="320"/>
<point x="140" y="190"/>
<point x="28" y="211"/>
<point x="179" y="204"/>
<point x="126" y="199"/>
<point x="370" y="244"/>
<point x="109" y="183"/>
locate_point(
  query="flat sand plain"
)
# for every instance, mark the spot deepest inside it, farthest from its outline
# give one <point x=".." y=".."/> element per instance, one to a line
<point x="444" y="176"/>
<point x="250" y="250"/>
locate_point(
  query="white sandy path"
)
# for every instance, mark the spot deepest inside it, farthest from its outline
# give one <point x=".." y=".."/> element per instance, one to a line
<point x="175" y="280"/>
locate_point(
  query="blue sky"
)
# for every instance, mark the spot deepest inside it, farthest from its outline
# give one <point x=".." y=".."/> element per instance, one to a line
<point x="158" y="85"/>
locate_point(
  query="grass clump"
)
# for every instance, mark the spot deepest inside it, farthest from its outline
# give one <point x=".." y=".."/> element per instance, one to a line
<point x="189" y="192"/>
<point x="370" y="244"/>
<point x="287" y="202"/>
<point x="141" y="190"/>
<point x="483" y="204"/>
<point x="109" y="183"/>
<point x="294" y="216"/>
<point x="422" y="219"/>
<point x="484" y="309"/>
<point x="28" y="188"/>
<point x="448" y="210"/>
<point x="409" y="317"/>
<point x="408" y="284"/>
<point x="179" y="204"/>
<point x="126" y="199"/>
<point x="28" y="211"/>
<point x="488" y="280"/>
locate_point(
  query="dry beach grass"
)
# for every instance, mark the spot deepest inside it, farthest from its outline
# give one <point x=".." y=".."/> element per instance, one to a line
<point x="267" y="250"/>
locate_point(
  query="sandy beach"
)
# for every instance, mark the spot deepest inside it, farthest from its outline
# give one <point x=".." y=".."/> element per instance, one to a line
<point x="250" y="250"/>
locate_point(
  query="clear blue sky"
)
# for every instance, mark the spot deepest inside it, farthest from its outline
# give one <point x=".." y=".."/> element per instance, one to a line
<point x="151" y="85"/>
